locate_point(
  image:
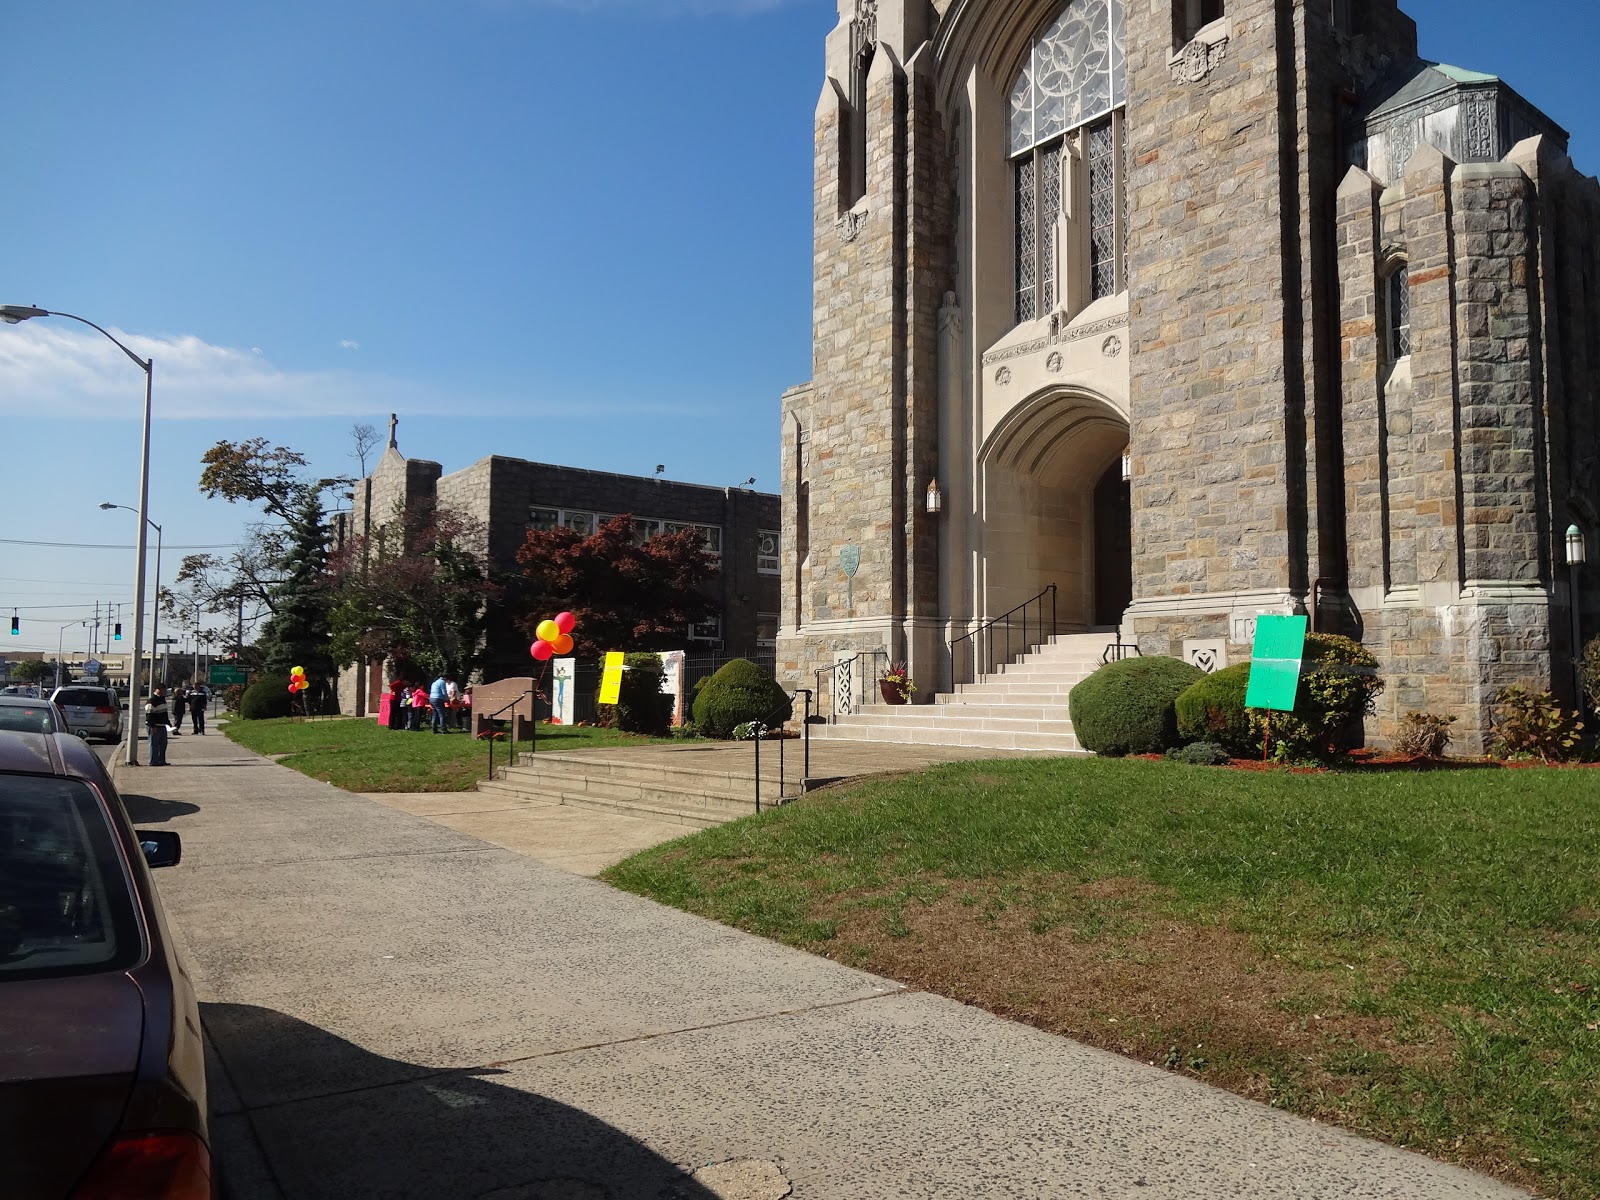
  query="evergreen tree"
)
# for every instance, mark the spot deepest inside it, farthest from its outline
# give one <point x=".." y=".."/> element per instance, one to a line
<point x="297" y="634"/>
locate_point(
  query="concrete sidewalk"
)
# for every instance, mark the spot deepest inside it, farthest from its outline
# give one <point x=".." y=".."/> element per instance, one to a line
<point x="400" y="1009"/>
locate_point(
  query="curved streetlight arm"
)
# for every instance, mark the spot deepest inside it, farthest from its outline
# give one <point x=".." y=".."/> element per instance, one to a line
<point x="13" y="314"/>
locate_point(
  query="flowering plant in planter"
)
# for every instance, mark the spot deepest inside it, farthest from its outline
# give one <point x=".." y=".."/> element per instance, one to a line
<point x="895" y="683"/>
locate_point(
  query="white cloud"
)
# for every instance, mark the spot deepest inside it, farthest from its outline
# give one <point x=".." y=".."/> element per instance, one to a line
<point x="46" y="370"/>
<point x="347" y="344"/>
<point x="51" y="371"/>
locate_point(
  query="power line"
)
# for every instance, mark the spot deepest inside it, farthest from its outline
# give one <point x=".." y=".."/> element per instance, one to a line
<point x="106" y="546"/>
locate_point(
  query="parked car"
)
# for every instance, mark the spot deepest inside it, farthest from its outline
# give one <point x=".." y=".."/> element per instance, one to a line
<point x="91" y="711"/>
<point x="31" y="716"/>
<point x="21" y="689"/>
<point x="102" y="1072"/>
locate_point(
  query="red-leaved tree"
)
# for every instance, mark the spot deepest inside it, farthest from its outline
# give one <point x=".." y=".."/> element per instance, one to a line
<point x="626" y="596"/>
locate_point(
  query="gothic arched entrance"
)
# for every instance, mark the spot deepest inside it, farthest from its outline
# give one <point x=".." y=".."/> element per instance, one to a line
<point x="1055" y="510"/>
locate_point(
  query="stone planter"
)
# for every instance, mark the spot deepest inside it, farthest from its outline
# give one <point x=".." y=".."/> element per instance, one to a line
<point x="891" y="692"/>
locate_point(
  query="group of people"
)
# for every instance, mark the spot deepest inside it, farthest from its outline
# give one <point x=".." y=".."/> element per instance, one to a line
<point x="163" y="717"/>
<point x="448" y="704"/>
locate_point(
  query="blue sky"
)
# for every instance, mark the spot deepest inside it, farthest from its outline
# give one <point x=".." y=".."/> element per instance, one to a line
<point x="577" y="232"/>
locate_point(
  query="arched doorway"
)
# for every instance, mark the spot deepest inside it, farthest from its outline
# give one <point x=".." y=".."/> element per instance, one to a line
<point x="1056" y="510"/>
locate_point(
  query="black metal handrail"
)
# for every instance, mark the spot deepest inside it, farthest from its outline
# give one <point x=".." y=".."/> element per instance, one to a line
<point x="875" y="654"/>
<point x="495" y="716"/>
<point x="758" y="732"/>
<point x="1117" y="651"/>
<point x="986" y="630"/>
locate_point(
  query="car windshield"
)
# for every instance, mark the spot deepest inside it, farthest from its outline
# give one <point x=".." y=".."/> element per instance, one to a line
<point x="65" y="908"/>
<point x="28" y="718"/>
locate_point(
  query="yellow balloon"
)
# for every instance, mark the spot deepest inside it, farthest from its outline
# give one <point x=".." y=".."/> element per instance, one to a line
<point x="549" y="631"/>
<point x="298" y="671"/>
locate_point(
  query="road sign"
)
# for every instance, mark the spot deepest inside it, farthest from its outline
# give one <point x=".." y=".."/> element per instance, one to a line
<point x="226" y="675"/>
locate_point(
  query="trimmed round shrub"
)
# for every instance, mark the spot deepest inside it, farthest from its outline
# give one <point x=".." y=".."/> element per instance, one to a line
<point x="1127" y="707"/>
<point x="1212" y="710"/>
<point x="641" y="707"/>
<point x="738" y="693"/>
<point x="266" y="698"/>
<point x="1338" y="685"/>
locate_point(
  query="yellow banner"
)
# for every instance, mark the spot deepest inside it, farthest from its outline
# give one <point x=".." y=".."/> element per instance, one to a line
<point x="611" y="679"/>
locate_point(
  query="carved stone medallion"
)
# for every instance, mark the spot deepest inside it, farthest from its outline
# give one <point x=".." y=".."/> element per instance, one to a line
<point x="1003" y="376"/>
<point x="1053" y="363"/>
<point x="1111" y="347"/>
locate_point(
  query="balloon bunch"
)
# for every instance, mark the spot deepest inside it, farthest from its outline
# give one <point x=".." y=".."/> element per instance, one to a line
<point x="298" y="681"/>
<point x="555" y="637"/>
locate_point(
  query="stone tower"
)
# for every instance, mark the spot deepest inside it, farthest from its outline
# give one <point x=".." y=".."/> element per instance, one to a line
<point x="1182" y="311"/>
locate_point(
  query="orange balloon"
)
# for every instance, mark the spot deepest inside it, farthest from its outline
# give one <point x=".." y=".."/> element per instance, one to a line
<point x="563" y="644"/>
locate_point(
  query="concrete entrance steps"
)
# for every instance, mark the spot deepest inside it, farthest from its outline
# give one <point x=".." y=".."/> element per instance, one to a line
<point x="1023" y="706"/>
<point x="692" y="796"/>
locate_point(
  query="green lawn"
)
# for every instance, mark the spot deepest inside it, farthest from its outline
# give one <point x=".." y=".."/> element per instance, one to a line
<point x="1414" y="955"/>
<point x="360" y="756"/>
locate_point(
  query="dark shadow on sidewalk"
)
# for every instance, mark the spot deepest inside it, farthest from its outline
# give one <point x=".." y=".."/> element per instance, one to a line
<point x="148" y="808"/>
<point x="332" y="1120"/>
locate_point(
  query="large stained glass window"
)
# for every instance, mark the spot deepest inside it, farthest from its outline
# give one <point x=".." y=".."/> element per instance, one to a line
<point x="1076" y="71"/>
<point x="1069" y="93"/>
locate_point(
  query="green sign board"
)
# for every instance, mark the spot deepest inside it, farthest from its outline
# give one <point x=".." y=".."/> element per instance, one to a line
<point x="226" y="675"/>
<point x="1275" y="663"/>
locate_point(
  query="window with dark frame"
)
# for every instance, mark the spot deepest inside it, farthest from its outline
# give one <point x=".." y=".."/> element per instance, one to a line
<point x="1065" y="118"/>
<point x="1397" y="312"/>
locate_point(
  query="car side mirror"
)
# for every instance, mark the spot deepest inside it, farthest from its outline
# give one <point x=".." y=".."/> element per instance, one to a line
<point x="162" y="847"/>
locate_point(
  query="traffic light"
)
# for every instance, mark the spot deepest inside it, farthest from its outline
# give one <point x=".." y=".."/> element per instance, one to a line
<point x="116" y="633"/>
<point x="16" y="626"/>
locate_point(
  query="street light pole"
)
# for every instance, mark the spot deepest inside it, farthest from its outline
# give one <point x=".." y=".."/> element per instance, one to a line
<point x="155" y="612"/>
<point x="13" y="314"/>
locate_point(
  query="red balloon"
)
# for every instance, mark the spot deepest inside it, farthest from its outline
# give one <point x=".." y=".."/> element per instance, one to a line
<point x="566" y="622"/>
<point x="563" y="644"/>
<point x="542" y="650"/>
<point x="293" y="689"/>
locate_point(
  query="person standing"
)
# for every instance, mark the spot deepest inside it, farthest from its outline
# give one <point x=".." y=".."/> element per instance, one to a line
<point x="156" y="715"/>
<point x="176" y="707"/>
<point x="419" y="701"/>
<point x="198" y="699"/>
<point x="438" y="697"/>
<point x="464" y="712"/>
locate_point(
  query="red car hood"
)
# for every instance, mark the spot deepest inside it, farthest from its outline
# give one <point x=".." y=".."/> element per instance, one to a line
<point x="68" y="1052"/>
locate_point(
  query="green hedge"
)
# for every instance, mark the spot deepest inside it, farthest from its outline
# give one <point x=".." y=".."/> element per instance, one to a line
<point x="739" y="692"/>
<point x="1338" y="684"/>
<point x="1127" y="707"/>
<point x="641" y="707"/>
<point x="1213" y="710"/>
<point x="266" y="698"/>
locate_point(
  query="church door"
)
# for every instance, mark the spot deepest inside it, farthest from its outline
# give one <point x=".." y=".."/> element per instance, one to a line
<point x="1113" y="546"/>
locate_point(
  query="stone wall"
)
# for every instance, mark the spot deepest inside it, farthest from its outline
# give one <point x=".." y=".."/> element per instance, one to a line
<point x="861" y="439"/>
<point x="1462" y="468"/>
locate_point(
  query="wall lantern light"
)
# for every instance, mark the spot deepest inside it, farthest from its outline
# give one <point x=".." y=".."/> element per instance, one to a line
<point x="1127" y="465"/>
<point x="935" y="497"/>
<point x="1576" y="551"/>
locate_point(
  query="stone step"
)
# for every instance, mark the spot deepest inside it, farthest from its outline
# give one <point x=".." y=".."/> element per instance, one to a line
<point x="623" y="768"/>
<point x="946" y="719"/>
<point x="660" y="803"/>
<point x="971" y="708"/>
<point x="934" y="735"/>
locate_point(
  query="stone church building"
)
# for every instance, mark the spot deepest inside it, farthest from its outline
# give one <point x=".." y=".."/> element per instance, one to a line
<point x="1193" y="310"/>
